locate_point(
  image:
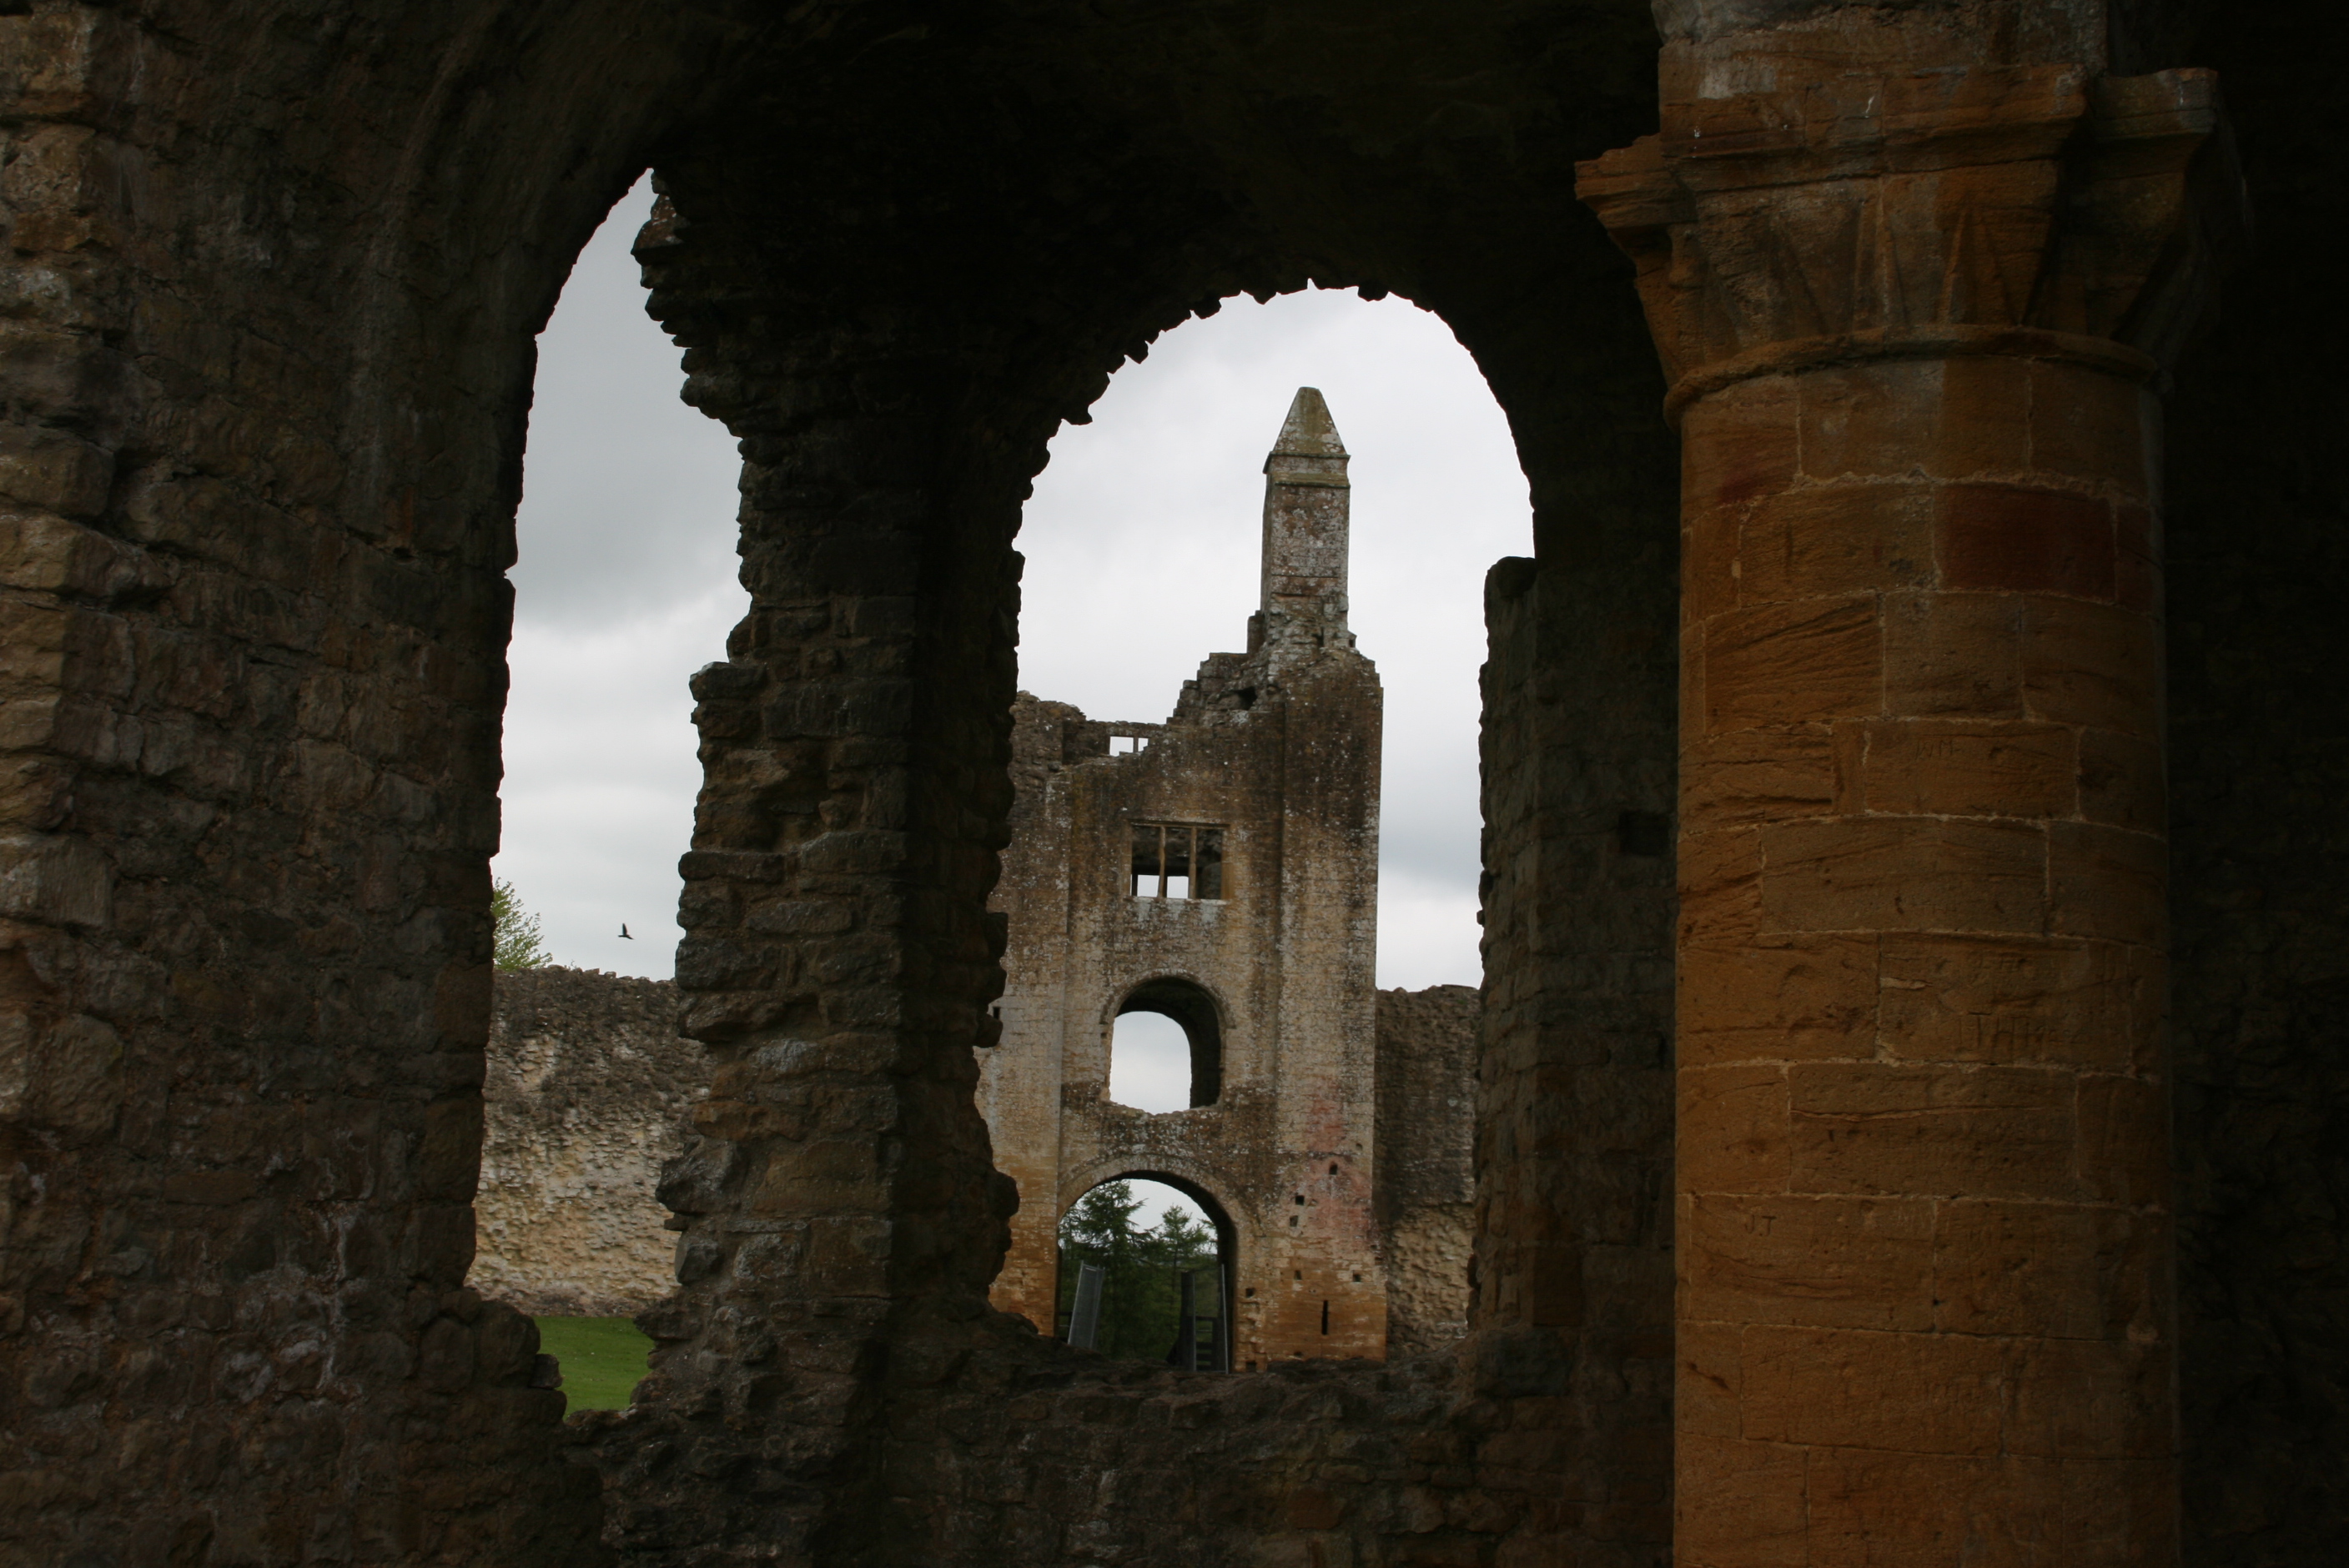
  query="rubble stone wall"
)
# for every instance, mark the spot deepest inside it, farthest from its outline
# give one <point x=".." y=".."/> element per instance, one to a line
<point x="265" y="332"/>
<point x="587" y="1094"/>
<point x="272" y="275"/>
<point x="1427" y="1188"/>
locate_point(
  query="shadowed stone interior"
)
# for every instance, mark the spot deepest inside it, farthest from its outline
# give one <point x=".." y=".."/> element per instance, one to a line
<point x="265" y="335"/>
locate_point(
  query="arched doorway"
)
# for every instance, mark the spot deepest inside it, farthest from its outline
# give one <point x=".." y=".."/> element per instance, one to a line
<point x="1148" y="1262"/>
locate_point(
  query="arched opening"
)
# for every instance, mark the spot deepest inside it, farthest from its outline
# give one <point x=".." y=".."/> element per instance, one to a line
<point x="1252" y="619"/>
<point x="1141" y="543"/>
<point x="1147" y="1261"/>
<point x="1166" y="1047"/>
<point x="623" y="584"/>
<point x="891" y="375"/>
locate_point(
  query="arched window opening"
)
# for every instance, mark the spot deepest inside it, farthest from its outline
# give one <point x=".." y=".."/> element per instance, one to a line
<point x="1166" y="1047"/>
<point x="624" y="581"/>
<point x="1146" y="1268"/>
<point x="1142" y="538"/>
<point x="1251" y="628"/>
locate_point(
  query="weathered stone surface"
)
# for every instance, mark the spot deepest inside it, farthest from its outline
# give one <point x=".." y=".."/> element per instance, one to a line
<point x="1820" y="252"/>
<point x="589" y="1092"/>
<point x="1221" y="869"/>
<point x="273" y="273"/>
<point x="1425" y="1195"/>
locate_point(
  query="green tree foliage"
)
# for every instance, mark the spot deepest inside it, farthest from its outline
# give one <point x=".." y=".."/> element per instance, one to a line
<point x="519" y="945"/>
<point x="1140" y="1296"/>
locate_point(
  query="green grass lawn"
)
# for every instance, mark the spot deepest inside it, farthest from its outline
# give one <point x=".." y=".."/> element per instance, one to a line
<point x="602" y="1359"/>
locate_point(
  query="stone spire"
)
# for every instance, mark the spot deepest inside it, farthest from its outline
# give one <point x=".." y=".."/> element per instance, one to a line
<point x="1305" y="521"/>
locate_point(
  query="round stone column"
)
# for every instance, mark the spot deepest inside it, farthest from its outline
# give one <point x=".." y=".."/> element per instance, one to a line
<point x="1910" y="320"/>
<point x="1923" y="1235"/>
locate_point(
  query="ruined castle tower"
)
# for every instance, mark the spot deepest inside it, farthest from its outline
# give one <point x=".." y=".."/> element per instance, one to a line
<point x="1221" y="869"/>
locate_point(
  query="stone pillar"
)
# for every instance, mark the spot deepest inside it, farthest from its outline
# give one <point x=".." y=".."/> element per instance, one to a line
<point x="838" y="1216"/>
<point x="1912" y="323"/>
<point x="1307" y="507"/>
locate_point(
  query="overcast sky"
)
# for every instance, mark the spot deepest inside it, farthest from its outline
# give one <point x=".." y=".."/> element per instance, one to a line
<point x="626" y="584"/>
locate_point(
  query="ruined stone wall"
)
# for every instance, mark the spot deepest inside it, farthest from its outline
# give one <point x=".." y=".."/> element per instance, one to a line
<point x="1426" y="1196"/>
<point x="265" y="339"/>
<point x="828" y="1353"/>
<point x="1026" y="1452"/>
<point x="273" y="271"/>
<point x="1273" y="756"/>
<point x="1574" y="1229"/>
<point x="587" y="1094"/>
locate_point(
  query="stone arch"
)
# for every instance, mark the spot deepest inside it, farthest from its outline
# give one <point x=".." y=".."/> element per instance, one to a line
<point x="284" y="261"/>
<point x="926" y="409"/>
<point x="1201" y="1014"/>
<point x="1010" y="204"/>
<point x="1220" y="1212"/>
<point x="1202" y="1187"/>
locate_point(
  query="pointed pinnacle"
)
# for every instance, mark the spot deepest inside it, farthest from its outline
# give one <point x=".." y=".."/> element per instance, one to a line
<point x="1307" y="432"/>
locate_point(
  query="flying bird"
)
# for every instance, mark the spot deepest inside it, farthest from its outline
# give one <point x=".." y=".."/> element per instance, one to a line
<point x="623" y="932"/>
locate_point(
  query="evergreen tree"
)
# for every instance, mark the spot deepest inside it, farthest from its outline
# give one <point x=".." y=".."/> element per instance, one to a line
<point x="1140" y="1297"/>
<point x="517" y="942"/>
